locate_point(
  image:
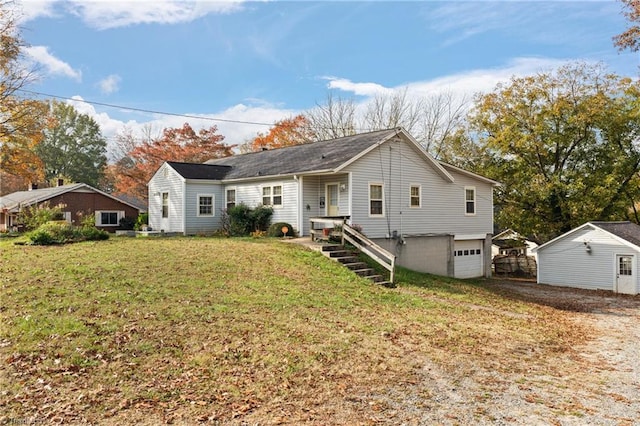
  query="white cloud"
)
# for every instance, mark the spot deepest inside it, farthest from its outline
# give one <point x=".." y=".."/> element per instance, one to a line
<point x="462" y="84"/>
<point x="32" y="9"/>
<point x="53" y="65"/>
<point x="113" y="14"/>
<point x="110" y="84"/>
<point x="360" y="89"/>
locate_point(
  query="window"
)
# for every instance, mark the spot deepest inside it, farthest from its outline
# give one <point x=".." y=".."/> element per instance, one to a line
<point x="108" y="218"/>
<point x="415" y="196"/>
<point x="625" y="266"/>
<point x="165" y="204"/>
<point x="470" y="200"/>
<point x="231" y="198"/>
<point x="376" y="200"/>
<point x="272" y="196"/>
<point x="205" y="205"/>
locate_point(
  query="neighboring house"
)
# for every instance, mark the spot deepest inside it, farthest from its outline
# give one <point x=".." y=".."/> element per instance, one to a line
<point x="77" y="200"/>
<point x="509" y="242"/>
<point x="595" y="256"/>
<point x="435" y="217"/>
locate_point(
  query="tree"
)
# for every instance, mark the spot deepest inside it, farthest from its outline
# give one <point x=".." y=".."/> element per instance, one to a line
<point x="73" y="147"/>
<point x="429" y="119"/>
<point x="132" y="172"/>
<point x="286" y="132"/>
<point x="21" y="119"/>
<point x="565" y="146"/>
<point x="630" y="39"/>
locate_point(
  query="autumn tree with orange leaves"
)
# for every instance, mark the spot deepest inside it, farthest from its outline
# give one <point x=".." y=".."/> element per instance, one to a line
<point x="130" y="174"/>
<point x="287" y="132"/>
<point x="23" y="119"/>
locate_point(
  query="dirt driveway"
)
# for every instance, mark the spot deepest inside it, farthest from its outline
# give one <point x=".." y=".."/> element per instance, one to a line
<point x="598" y="384"/>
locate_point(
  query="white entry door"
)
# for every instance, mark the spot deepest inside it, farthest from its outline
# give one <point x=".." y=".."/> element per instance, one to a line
<point x="332" y="199"/>
<point x="625" y="277"/>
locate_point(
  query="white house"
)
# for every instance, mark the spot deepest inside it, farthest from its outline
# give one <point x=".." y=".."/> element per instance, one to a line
<point x="595" y="256"/>
<point x="435" y="217"/>
<point x="503" y="243"/>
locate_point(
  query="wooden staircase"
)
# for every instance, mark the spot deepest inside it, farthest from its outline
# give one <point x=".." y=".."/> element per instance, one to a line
<point x="350" y="259"/>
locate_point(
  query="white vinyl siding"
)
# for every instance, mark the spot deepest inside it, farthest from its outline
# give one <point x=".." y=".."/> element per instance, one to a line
<point x="398" y="165"/>
<point x="568" y="263"/>
<point x="251" y="194"/>
<point x="195" y="222"/>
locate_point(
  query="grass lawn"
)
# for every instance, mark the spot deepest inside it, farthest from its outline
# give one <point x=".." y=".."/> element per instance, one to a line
<point x="239" y="330"/>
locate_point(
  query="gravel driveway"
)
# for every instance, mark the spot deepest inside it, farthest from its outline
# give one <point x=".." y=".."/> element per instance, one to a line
<point x="599" y="384"/>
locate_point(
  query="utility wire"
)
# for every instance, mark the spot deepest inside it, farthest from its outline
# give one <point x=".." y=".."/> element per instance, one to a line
<point x="174" y="114"/>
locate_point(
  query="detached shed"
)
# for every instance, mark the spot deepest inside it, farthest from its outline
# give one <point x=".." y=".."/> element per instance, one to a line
<point x="595" y="256"/>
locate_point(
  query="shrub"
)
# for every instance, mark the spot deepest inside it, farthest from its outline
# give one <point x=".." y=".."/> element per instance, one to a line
<point x="242" y="220"/>
<point x="91" y="233"/>
<point x="141" y="220"/>
<point x="35" y="216"/>
<point x="275" y="230"/>
<point x="53" y="233"/>
<point x="126" y="223"/>
<point x="41" y="237"/>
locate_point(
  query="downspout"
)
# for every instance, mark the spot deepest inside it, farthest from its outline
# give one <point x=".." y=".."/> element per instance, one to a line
<point x="184" y="207"/>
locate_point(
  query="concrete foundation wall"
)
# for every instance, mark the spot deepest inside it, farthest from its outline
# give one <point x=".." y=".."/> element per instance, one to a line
<point x="430" y="254"/>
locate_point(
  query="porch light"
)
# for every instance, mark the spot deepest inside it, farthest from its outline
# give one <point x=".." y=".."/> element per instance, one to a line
<point x="343" y="187"/>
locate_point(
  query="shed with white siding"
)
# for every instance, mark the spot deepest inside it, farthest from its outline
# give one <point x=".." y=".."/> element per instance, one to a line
<point x="594" y="256"/>
<point x="433" y="216"/>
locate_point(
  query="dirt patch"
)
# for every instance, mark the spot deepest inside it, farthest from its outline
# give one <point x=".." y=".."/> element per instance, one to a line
<point x="598" y="383"/>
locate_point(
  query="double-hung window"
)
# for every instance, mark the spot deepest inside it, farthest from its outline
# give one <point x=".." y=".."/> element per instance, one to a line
<point x="376" y="199"/>
<point x="470" y="200"/>
<point x="231" y="198"/>
<point x="205" y="204"/>
<point x="415" y="196"/>
<point x="272" y="196"/>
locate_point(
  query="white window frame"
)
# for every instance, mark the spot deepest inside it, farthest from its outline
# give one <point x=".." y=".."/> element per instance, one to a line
<point x="199" y="204"/>
<point x="411" y="196"/>
<point x="467" y="201"/>
<point x="164" y="214"/>
<point x="67" y="216"/>
<point x="271" y="195"/>
<point x="226" y="197"/>
<point x="98" y="216"/>
<point x="381" y="185"/>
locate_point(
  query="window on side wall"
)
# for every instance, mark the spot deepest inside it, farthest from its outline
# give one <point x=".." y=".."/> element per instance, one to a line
<point x="205" y="204"/>
<point x="108" y="218"/>
<point x="470" y="200"/>
<point x="376" y="199"/>
<point x="272" y="196"/>
<point x="165" y="204"/>
<point x="415" y="196"/>
<point x="231" y="198"/>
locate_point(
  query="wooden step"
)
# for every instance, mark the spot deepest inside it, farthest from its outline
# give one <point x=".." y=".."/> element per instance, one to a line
<point x="332" y="247"/>
<point x="339" y="253"/>
<point x="356" y="265"/>
<point x="346" y="259"/>
<point x="367" y="272"/>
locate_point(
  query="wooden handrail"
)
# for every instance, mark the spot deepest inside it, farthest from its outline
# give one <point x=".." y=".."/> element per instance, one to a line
<point x="383" y="257"/>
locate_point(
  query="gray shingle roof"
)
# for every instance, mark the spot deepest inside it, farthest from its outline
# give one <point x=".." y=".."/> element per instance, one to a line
<point x="200" y="171"/>
<point x="315" y="156"/>
<point x="14" y="200"/>
<point x="626" y="230"/>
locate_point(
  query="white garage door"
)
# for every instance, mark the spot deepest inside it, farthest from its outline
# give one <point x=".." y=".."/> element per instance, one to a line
<point x="468" y="259"/>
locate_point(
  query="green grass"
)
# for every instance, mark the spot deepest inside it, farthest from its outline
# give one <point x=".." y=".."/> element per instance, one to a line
<point x="181" y="328"/>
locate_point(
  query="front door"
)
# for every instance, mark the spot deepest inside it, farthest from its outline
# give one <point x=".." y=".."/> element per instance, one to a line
<point x="625" y="277"/>
<point x="332" y="200"/>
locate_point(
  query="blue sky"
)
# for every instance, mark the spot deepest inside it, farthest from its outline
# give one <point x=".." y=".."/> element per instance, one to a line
<point x="264" y="61"/>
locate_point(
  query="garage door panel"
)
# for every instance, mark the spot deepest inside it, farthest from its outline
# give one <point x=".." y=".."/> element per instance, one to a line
<point x="468" y="259"/>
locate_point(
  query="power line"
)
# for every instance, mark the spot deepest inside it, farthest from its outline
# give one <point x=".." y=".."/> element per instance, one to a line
<point x="173" y="114"/>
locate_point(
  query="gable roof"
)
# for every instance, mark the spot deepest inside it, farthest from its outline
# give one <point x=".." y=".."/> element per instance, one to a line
<point x="625" y="232"/>
<point x="200" y="171"/>
<point x="309" y="157"/>
<point x="328" y="156"/>
<point x="14" y="201"/>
